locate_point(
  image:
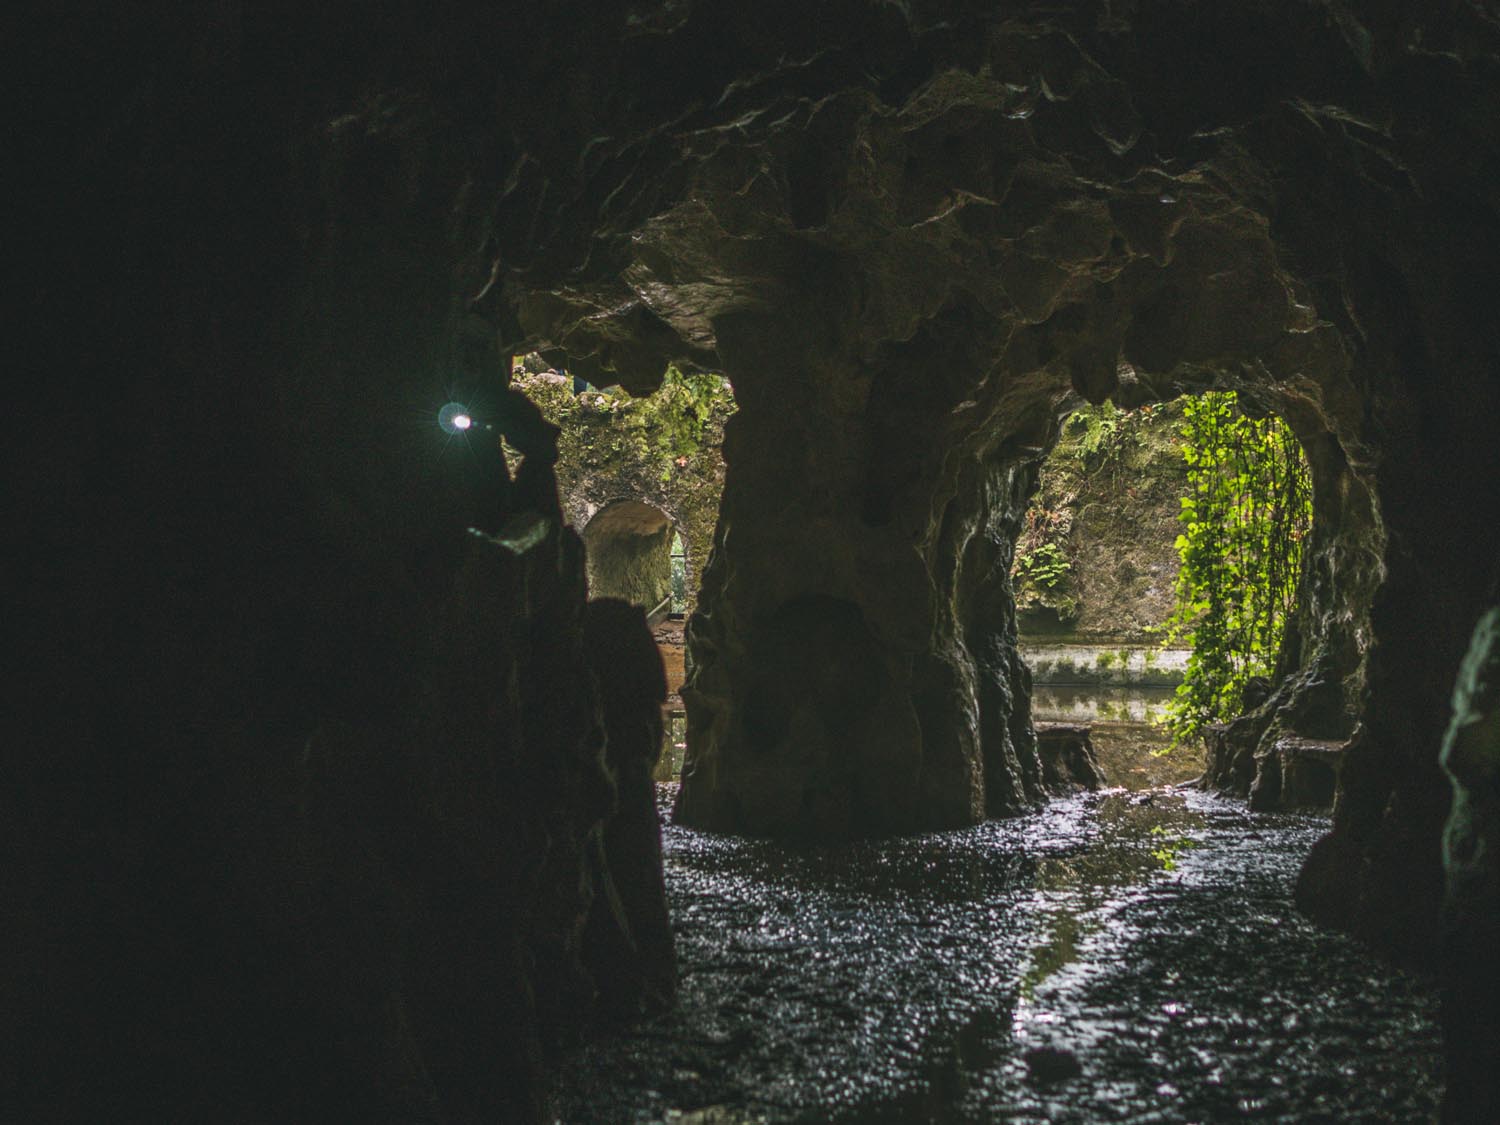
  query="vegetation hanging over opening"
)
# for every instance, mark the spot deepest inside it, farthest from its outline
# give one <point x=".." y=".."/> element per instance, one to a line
<point x="667" y="428"/>
<point x="661" y="449"/>
<point x="1246" y="514"/>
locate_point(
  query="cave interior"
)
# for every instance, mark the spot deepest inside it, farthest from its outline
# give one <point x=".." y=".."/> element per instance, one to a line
<point x="329" y="795"/>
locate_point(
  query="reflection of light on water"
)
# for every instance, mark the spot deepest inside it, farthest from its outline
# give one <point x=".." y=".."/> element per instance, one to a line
<point x="1069" y="703"/>
<point x="1139" y="841"/>
<point x="713" y="1114"/>
<point x="1064" y="929"/>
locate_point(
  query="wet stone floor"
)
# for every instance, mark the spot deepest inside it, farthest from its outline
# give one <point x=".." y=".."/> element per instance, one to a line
<point x="1121" y="956"/>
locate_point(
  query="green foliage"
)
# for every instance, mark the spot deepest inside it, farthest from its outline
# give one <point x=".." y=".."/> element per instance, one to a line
<point x="1102" y="435"/>
<point x="1041" y="568"/>
<point x="1248" y="508"/>
<point x="1169" y="847"/>
<point x="1046" y="565"/>
<point x="670" y="424"/>
<point x="665" y="429"/>
<point x="1097" y="428"/>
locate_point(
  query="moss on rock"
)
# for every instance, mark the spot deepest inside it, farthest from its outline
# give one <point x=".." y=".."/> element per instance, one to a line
<point x="662" y="450"/>
<point x="1096" y="554"/>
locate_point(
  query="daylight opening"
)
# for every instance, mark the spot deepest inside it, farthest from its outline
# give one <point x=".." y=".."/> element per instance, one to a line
<point x="640" y="477"/>
<point x="1155" y="573"/>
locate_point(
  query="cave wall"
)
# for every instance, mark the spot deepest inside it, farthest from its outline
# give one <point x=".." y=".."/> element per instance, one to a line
<point x="313" y="809"/>
<point x="1471" y="906"/>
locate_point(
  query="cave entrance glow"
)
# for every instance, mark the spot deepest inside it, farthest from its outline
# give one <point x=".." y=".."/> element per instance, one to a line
<point x="1152" y="529"/>
<point x="636" y="553"/>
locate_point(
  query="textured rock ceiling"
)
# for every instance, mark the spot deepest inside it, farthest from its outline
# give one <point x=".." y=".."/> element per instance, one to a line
<point x="1146" y="164"/>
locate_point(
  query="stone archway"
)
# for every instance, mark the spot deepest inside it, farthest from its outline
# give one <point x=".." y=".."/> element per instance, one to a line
<point x="628" y="546"/>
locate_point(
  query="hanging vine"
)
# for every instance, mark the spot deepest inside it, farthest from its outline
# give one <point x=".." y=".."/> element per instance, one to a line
<point x="1248" y="509"/>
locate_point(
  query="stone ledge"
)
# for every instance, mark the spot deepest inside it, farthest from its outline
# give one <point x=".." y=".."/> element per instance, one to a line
<point x="1302" y="772"/>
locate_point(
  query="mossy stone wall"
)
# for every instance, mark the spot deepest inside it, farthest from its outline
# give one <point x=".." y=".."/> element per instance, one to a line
<point x="662" y="450"/>
<point x="1097" y="554"/>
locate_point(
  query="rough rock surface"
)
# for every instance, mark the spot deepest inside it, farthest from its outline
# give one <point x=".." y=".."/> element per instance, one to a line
<point x="1069" y="762"/>
<point x="302" y="814"/>
<point x="1108" y="498"/>
<point x="1471" y="850"/>
<point x="629" y="944"/>
<point x="304" y="780"/>
<point x="1298" y="773"/>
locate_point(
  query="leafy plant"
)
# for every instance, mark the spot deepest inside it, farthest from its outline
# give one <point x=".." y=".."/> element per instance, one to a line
<point x="1047" y="565"/>
<point x="1171" y="846"/>
<point x="1100" y="425"/>
<point x="666" y="428"/>
<point x="1248" y="509"/>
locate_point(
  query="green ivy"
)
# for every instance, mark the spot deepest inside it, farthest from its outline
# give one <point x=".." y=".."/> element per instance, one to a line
<point x="670" y="424"/>
<point x="1248" y="509"/>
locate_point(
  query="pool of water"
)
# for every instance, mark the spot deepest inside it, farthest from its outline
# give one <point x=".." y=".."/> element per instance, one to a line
<point x="1134" y="750"/>
<point x="1079" y="703"/>
<point x="1074" y="660"/>
<point x="1123" y="956"/>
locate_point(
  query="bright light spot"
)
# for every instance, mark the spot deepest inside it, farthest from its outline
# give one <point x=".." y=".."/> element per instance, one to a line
<point x="455" y="418"/>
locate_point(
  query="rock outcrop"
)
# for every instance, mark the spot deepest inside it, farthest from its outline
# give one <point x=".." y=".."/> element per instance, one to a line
<point x="1097" y="555"/>
<point x="1069" y="762"/>
<point x="1471" y="909"/>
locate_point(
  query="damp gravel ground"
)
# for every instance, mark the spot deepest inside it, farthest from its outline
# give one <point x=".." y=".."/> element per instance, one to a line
<point x="1116" y="957"/>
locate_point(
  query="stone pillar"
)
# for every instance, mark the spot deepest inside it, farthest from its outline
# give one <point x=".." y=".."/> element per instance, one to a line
<point x="853" y="651"/>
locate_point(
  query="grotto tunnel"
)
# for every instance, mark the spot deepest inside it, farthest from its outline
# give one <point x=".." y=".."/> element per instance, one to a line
<point x="329" y="788"/>
<point x="629" y="549"/>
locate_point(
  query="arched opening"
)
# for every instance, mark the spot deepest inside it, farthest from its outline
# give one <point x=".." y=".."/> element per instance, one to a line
<point x="629" y="548"/>
<point x="636" y="553"/>
<point x="1156" y="575"/>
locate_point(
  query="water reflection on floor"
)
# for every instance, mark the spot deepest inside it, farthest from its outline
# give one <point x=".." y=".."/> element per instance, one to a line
<point x="1080" y="703"/>
<point x="1127" y="956"/>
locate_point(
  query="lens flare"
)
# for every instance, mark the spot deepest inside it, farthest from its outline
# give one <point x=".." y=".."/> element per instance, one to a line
<point x="455" y="418"/>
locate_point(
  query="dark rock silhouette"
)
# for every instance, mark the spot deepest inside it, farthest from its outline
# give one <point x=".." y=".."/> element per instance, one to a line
<point x="634" y="964"/>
